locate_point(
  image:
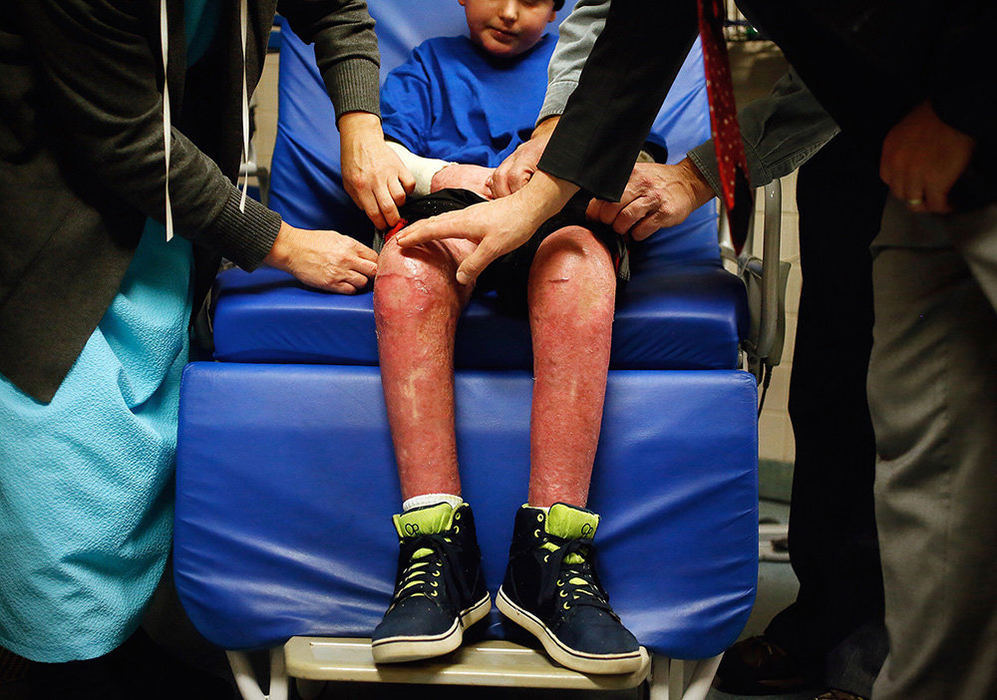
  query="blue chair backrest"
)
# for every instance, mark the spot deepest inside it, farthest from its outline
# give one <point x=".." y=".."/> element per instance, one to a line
<point x="306" y="181"/>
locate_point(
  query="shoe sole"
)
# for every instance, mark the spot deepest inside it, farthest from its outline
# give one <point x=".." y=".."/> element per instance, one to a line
<point x="393" y="650"/>
<point x="581" y="661"/>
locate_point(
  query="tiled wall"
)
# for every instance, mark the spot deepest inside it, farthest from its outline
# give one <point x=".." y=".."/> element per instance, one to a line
<point x="755" y="66"/>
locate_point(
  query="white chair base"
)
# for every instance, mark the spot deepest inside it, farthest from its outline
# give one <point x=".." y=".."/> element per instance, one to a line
<point x="313" y="660"/>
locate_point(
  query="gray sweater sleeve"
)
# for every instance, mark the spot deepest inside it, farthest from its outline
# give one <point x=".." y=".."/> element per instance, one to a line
<point x="576" y="37"/>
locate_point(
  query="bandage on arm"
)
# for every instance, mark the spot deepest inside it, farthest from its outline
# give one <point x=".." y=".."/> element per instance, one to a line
<point x="422" y="169"/>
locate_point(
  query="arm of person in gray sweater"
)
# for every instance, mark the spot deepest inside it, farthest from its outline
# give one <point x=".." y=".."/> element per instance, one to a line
<point x="780" y="132"/>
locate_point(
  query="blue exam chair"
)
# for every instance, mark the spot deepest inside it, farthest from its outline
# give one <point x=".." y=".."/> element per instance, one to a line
<point x="285" y="472"/>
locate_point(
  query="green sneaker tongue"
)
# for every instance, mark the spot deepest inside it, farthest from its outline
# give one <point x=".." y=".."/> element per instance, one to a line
<point x="429" y="520"/>
<point x="571" y="523"/>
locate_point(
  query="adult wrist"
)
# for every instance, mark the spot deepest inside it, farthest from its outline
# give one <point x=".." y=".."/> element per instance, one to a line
<point x="545" y="195"/>
<point x="279" y="255"/>
<point x="701" y="188"/>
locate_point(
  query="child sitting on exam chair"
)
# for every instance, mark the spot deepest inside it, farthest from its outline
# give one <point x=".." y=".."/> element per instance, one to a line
<point x="454" y="111"/>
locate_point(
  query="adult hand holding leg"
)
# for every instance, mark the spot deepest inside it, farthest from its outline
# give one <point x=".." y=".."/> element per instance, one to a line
<point x="373" y="175"/>
<point x="514" y="172"/>
<point x="323" y="259"/>
<point x="657" y="195"/>
<point x="497" y="227"/>
<point x="922" y="158"/>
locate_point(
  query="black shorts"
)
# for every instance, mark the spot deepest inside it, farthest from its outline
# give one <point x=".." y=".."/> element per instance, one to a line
<point x="509" y="275"/>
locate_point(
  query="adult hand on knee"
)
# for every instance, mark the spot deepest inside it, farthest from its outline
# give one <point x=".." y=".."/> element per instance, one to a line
<point x="497" y="227"/>
<point x="657" y="195"/>
<point x="922" y="159"/>
<point x="516" y="170"/>
<point x="373" y="175"/>
<point x="323" y="259"/>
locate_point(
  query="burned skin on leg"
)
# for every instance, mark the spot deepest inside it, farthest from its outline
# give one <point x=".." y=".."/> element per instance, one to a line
<point x="416" y="305"/>
<point x="571" y="298"/>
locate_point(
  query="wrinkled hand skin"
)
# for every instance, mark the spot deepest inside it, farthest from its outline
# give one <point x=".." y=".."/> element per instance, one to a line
<point x="323" y="259"/>
<point x="657" y="196"/>
<point x="497" y="227"/>
<point x="923" y="158"/>
<point x="465" y="177"/>
<point x="373" y="175"/>
<point x="517" y="169"/>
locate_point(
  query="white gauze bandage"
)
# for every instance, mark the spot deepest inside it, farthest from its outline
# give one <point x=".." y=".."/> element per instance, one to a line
<point x="422" y="169"/>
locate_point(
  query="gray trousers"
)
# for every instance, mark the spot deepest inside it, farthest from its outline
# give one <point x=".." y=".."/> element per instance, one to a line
<point x="933" y="400"/>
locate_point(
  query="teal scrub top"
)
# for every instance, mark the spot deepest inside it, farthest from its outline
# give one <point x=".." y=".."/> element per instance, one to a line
<point x="86" y="495"/>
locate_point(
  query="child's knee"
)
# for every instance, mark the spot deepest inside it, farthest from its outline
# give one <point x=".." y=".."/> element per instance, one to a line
<point x="574" y="274"/>
<point x="412" y="282"/>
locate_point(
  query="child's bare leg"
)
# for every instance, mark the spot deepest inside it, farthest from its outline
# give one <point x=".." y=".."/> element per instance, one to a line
<point x="572" y="293"/>
<point x="416" y="305"/>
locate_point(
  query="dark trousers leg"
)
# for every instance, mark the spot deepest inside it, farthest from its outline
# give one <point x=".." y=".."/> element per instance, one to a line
<point x="832" y="532"/>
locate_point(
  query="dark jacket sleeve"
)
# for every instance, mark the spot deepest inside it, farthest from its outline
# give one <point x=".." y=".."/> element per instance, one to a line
<point x="962" y="81"/>
<point x="620" y="90"/>
<point x="345" y="49"/>
<point x="100" y="74"/>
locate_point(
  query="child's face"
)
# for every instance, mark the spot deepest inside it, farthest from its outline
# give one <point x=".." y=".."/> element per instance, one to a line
<point x="507" y="27"/>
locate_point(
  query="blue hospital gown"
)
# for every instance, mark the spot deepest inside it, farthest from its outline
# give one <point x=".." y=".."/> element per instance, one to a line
<point x="86" y="497"/>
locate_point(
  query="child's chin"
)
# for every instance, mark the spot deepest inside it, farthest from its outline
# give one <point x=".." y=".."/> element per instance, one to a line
<point x="498" y="49"/>
<point x="503" y="51"/>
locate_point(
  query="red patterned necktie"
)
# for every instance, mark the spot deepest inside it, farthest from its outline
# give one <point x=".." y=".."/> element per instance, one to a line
<point x="731" y="162"/>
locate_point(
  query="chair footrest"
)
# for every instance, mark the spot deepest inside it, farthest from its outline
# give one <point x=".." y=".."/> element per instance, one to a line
<point x="489" y="663"/>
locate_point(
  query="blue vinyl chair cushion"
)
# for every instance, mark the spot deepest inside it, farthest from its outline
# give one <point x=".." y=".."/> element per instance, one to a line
<point x="283" y="508"/>
<point x="686" y="316"/>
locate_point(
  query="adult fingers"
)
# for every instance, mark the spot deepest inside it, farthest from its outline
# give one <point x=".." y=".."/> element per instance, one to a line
<point x="397" y="191"/>
<point x="628" y="215"/>
<point x="406" y="179"/>
<point x="449" y="225"/>
<point x="475" y="263"/>
<point x="345" y="288"/>
<point x="603" y="211"/>
<point x="368" y="202"/>
<point x="364" y="267"/>
<point x="644" y="228"/>
<point x="356" y="279"/>
<point x="363" y="251"/>
<point x="511" y="175"/>
<point x="386" y="203"/>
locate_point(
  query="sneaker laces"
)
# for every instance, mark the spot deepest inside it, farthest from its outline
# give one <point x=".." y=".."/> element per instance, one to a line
<point x="571" y="575"/>
<point x="430" y="557"/>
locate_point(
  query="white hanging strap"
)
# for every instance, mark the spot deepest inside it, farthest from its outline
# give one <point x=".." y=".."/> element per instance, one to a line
<point x="167" y="135"/>
<point x="243" y="165"/>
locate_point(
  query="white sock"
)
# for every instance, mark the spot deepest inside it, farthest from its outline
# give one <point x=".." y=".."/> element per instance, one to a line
<point x="431" y="499"/>
<point x="545" y="509"/>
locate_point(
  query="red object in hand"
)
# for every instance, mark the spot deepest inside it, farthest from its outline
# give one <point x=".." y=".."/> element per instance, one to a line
<point x="402" y="223"/>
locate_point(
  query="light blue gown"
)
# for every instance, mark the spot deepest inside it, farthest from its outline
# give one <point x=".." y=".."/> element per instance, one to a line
<point x="86" y="482"/>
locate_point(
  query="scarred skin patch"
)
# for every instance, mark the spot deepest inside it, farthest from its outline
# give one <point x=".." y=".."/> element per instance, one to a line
<point x="571" y="294"/>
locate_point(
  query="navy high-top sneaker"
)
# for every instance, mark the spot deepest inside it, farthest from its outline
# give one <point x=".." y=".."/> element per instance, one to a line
<point x="552" y="590"/>
<point x="439" y="588"/>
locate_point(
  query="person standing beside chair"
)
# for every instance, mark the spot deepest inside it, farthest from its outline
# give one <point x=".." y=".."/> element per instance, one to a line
<point x="100" y="99"/>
